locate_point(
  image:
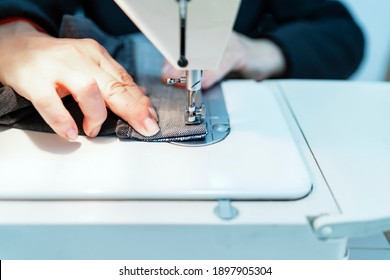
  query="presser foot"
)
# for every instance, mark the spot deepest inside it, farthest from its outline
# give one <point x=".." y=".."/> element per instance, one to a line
<point x="195" y="115"/>
<point x="216" y="119"/>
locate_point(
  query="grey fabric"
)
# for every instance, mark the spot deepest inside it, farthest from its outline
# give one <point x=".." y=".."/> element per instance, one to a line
<point x="142" y="61"/>
<point x="11" y="106"/>
<point x="169" y="101"/>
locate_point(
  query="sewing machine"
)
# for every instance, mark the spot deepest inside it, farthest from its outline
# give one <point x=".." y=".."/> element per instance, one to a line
<point x="109" y="199"/>
<point x="303" y="169"/>
<point x="194" y="36"/>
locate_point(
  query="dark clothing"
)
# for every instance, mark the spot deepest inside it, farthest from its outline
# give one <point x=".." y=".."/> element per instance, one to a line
<point x="318" y="37"/>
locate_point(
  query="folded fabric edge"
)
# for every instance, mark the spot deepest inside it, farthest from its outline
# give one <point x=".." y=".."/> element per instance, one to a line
<point x="170" y="139"/>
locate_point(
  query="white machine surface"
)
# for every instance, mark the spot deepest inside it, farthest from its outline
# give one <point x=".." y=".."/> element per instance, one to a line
<point x="259" y="160"/>
<point x="340" y="130"/>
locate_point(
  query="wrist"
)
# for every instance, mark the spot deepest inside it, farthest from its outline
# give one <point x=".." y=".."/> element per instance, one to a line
<point x="11" y="29"/>
<point x="21" y="19"/>
<point x="14" y="41"/>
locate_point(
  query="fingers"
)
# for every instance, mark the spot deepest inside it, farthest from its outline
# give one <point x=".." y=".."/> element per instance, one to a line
<point x="128" y="92"/>
<point x="118" y="92"/>
<point x="113" y="68"/>
<point x="128" y="102"/>
<point x="209" y="77"/>
<point x="153" y="113"/>
<point x="86" y="93"/>
<point x="168" y="71"/>
<point x="92" y="77"/>
<point x="233" y="60"/>
<point x="50" y="107"/>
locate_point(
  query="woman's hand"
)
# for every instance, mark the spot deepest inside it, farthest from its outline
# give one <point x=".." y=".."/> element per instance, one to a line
<point x="252" y="58"/>
<point x="44" y="69"/>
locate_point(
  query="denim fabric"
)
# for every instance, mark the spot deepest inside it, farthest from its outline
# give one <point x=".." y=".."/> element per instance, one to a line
<point x="13" y="107"/>
<point x="142" y="61"/>
<point x="169" y="101"/>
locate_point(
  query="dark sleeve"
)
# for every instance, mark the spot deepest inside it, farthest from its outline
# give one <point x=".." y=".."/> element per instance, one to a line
<point x="319" y="38"/>
<point x="46" y="13"/>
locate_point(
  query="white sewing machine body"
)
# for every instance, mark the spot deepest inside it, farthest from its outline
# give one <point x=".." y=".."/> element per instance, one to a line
<point x="208" y="27"/>
<point x="109" y="199"/>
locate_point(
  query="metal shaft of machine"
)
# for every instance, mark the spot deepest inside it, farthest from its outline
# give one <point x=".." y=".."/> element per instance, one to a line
<point x="183" y="62"/>
<point x="194" y="85"/>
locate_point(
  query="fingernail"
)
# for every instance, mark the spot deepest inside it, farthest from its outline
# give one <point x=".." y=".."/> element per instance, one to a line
<point x="153" y="113"/>
<point x="71" y="134"/>
<point x="151" y="127"/>
<point x="94" y="132"/>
